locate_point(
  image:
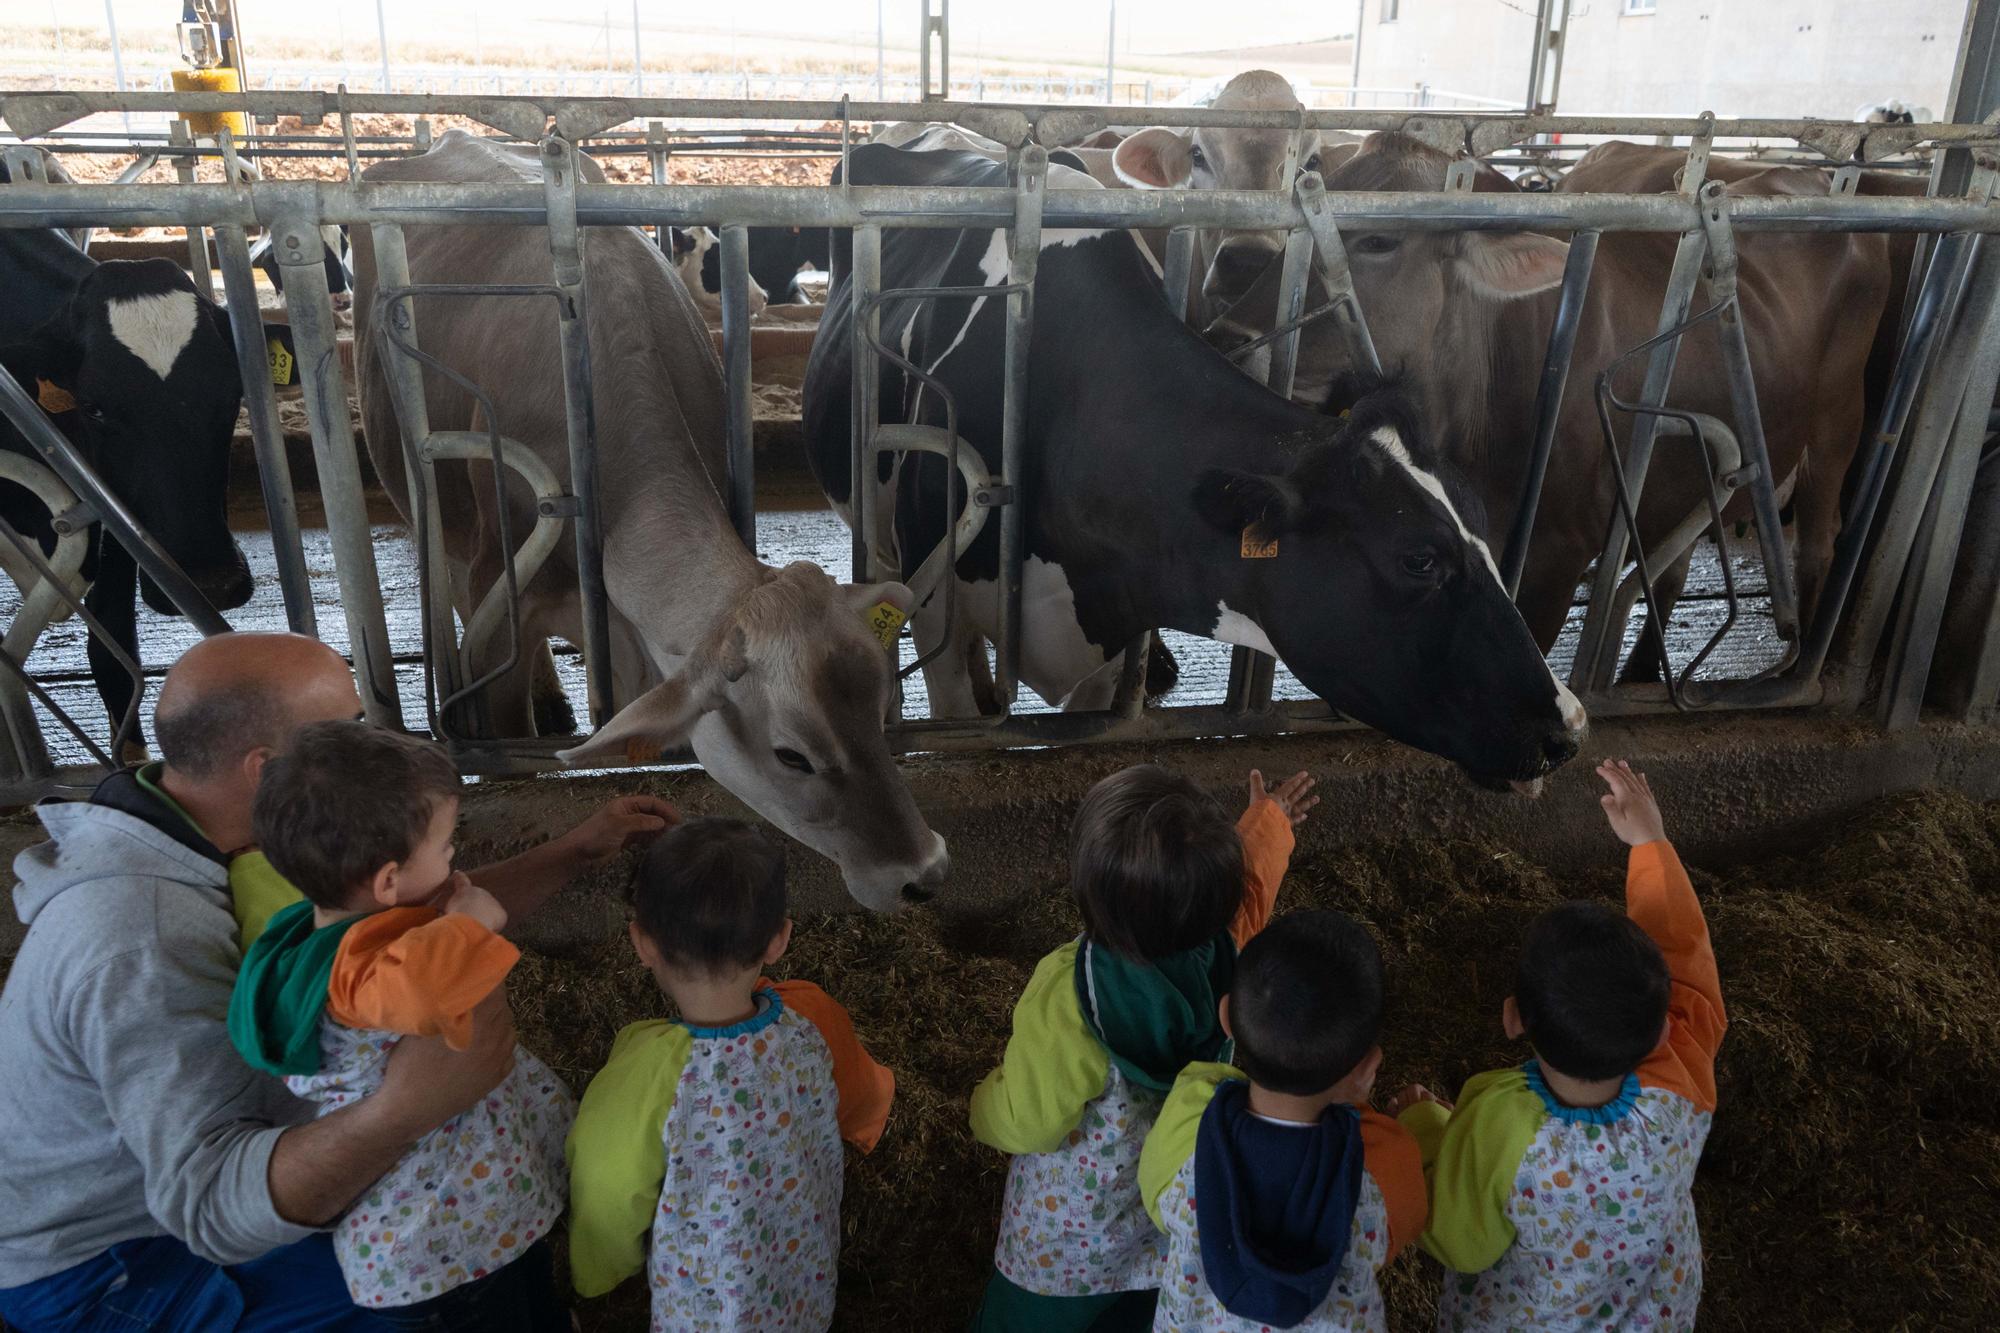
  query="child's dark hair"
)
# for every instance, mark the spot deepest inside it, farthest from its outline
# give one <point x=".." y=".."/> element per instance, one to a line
<point x="1306" y="1006"/>
<point x="710" y="894"/>
<point x="1155" y="865"/>
<point x="344" y="800"/>
<point x="1591" y="990"/>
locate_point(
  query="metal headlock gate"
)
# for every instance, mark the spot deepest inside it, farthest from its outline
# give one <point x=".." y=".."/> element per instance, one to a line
<point x="1910" y="501"/>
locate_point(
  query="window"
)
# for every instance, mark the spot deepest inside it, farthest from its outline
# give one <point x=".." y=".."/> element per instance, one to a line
<point x="1389" y="10"/>
<point x="1641" y="6"/>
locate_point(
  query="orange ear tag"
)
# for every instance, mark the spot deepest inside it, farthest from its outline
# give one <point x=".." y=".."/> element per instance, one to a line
<point x="53" y="399"/>
<point x="642" y="750"/>
<point x="885" y="620"/>
<point x="1256" y="546"/>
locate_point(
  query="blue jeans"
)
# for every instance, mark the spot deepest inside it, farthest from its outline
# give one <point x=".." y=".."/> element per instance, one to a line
<point x="158" y="1285"/>
<point x="520" y="1298"/>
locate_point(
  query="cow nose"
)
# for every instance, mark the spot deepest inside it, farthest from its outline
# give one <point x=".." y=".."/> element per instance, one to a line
<point x="914" y="892"/>
<point x="1558" y="748"/>
<point x="925" y="886"/>
<point x="1237" y="266"/>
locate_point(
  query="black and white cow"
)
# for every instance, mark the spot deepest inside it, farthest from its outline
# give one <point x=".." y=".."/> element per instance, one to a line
<point x="1165" y="488"/>
<point x="777" y="256"/>
<point x="145" y="375"/>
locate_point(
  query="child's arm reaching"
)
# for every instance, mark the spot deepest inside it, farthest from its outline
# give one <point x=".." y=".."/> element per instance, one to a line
<point x="865" y="1088"/>
<point x="1266" y="830"/>
<point x="420" y="978"/>
<point x="1659" y="897"/>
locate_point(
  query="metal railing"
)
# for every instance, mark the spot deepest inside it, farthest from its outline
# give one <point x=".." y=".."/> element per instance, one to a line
<point x="1905" y="517"/>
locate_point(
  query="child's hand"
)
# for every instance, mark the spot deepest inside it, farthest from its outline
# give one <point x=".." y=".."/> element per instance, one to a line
<point x="1293" y="795"/>
<point x="1629" y="805"/>
<point x="1411" y="1095"/>
<point x="464" y="898"/>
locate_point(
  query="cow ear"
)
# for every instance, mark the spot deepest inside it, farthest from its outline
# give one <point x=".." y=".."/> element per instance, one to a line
<point x="656" y="721"/>
<point x="50" y="352"/>
<point x="1232" y="501"/>
<point x="1509" y="267"/>
<point x="1155" y="159"/>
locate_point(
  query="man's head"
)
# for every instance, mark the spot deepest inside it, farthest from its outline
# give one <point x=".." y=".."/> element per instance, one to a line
<point x="1591" y="992"/>
<point x="1306" y="1006"/>
<point x="708" y="902"/>
<point x="1155" y="864"/>
<point x="356" y="816"/>
<point x="233" y="700"/>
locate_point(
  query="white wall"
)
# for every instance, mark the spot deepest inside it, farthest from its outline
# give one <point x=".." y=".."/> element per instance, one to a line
<point x="1733" y="57"/>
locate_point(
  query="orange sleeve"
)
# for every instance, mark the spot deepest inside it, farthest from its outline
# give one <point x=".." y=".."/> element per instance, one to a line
<point x="415" y="971"/>
<point x="866" y="1088"/>
<point x="1393" y="1158"/>
<point x="1659" y="897"/>
<point x="1267" y="851"/>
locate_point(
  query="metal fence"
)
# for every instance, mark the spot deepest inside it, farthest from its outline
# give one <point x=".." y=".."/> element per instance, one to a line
<point x="1884" y="605"/>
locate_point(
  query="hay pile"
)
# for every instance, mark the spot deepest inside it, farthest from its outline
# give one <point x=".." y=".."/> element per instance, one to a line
<point x="1852" y="1181"/>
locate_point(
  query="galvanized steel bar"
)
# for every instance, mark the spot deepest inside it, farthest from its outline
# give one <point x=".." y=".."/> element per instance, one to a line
<point x="741" y="458"/>
<point x="1030" y="173"/>
<point x="566" y="247"/>
<point x="300" y="251"/>
<point x="1334" y="273"/>
<point x="866" y="395"/>
<point x="197" y="238"/>
<point x="1178" y="270"/>
<point x="1549" y="401"/>
<point x="274" y="468"/>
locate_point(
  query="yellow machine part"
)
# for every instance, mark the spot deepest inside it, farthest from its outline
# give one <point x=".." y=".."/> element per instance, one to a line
<point x="220" y="80"/>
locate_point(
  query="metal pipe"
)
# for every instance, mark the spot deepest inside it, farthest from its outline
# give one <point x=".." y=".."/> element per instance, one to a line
<point x="1025" y="249"/>
<point x="742" y="462"/>
<point x="1548" y="402"/>
<point x="300" y="251"/>
<point x="1178" y="271"/>
<point x="1292" y="277"/>
<point x="197" y="238"/>
<point x="274" y="468"/>
<point x="866" y="395"/>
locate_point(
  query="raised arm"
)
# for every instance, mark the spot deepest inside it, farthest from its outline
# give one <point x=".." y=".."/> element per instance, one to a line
<point x="523" y="883"/>
<point x="1266" y="830"/>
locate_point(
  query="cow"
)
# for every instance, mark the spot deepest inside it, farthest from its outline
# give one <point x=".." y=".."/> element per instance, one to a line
<point x="1461" y="321"/>
<point x="139" y="372"/>
<point x="774" y="676"/>
<point x="1894" y="111"/>
<point x="334" y="259"/>
<point x="777" y="256"/>
<point x="691" y="247"/>
<point x="1164" y="488"/>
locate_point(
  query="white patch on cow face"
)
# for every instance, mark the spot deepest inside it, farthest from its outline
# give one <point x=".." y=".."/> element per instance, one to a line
<point x="1573" y="715"/>
<point x="156" y="329"/>
<point x="1392" y="445"/>
<point x="1237" y="628"/>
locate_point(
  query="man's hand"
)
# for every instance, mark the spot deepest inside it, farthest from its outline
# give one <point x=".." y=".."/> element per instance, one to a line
<point x="1629" y="805"/>
<point x="427" y="1083"/>
<point x="1411" y="1095"/>
<point x="629" y="821"/>
<point x="464" y="898"/>
<point x="1293" y="795"/>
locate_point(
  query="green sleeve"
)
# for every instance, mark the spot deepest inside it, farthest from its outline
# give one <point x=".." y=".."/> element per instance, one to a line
<point x="616" y="1157"/>
<point x="1170" y="1142"/>
<point x="1052" y="1069"/>
<point x="1470" y="1160"/>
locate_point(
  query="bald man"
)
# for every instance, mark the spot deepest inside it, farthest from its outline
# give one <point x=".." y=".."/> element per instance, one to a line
<point x="148" y="1178"/>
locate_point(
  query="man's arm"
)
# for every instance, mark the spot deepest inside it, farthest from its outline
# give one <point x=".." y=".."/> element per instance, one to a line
<point x="523" y="883"/>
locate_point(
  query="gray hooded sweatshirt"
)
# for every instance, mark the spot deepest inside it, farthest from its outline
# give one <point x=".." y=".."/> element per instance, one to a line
<point x="127" y="1112"/>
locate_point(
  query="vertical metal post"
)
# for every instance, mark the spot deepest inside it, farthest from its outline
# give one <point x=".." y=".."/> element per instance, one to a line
<point x="866" y="394"/>
<point x="1538" y="58"/>
<point x="881" y="40"/>
<point x="300" y="250"/>
<point x="937" y="21"/>
<point x="1548" y="402"/>
<point x="566" y="244"/>
<point x="736" y="382"/>
<point x="1110" y="50"/>
<point x="117" y="49"/>
<point x="197" y="235"/>
<point x="382" y="42"/>
<point x="274" y="469"/>
<point x="1178" y="270"/>
<point x="1292" y="288"/>
<point x="1354" y="80"/>
<point x="638" y="60"/>
<point x="1025" y="246"/>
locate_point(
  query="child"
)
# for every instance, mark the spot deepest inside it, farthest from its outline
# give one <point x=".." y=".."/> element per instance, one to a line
<point x="1281" y="1191"/>
<point x="1561" y="1191"/>
<point x="1168" y="890"/>
<point x="720" y="1133"/>
<point x="390" y="943"/>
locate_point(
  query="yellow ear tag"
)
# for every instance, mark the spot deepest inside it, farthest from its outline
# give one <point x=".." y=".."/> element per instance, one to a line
<point x="1345" y="413"/>
<point x="641" y="750"/>
<point x="886" y="620"/>
<point x="282" y="362"/>
<point x="53" y="399"/>
<point x="1256" y="547"/>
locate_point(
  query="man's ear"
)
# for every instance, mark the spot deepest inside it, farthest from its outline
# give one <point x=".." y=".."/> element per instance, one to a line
<point x="253" y="764"/>
<point x="1232" y="501"/>
<point x="1155" y="159"/>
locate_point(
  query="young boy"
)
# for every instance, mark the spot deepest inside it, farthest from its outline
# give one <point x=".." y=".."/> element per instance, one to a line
<point x="1561" y="1191"/>
<point x="719" y="1133"/>
<point x="1281" y="1191"/>
<point x="1169" y="890"/>
<point x="390" y="943"/>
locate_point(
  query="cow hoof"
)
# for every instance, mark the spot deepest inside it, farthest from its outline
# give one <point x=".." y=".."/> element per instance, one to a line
<point x="1163" y="672"/>
<point x="554" y="715"/>
<point x="132" y="754"/>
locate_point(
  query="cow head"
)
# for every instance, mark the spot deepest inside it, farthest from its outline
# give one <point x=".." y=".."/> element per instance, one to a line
<point x="1427" y="646"/>
<point x="148" y="365"/>
<point x="783" y="701"/>
<point x="1212" y="159"/>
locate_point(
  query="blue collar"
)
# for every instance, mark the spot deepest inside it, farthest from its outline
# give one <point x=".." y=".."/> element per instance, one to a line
<point x="1608" y="1114"/>
<point x="769" y="1009"/>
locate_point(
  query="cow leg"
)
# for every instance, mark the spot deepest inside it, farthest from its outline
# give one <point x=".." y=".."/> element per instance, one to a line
<point x="1646" y="665"/>
<point x="948" y="677"/>
<point x="1816" y="526"/>
<point x="114" y="600"/>
<point x="553" y="713"/>
<point x="1098" y="690"/>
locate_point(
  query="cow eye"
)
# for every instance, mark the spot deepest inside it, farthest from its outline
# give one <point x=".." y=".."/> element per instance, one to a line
<point x="95" y="413"/>
<point x="1420" y="564"/>
<point x="1378" y="243"/>
<point x="1312" y="163"/>
<point x="1196" y="156"/>
<point x="794" y="760"/>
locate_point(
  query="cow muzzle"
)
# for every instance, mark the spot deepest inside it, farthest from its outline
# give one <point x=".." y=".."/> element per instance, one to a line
<point x="1237" y="266"/>
<point x="226" y="586"/>
<point x="931" y="876"/>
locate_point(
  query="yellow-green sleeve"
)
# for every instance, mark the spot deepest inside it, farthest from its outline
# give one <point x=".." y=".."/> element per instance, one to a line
<point x="257" y="892"/>
<point x="1170" y="1142"/>
<point x="1052" y="1069"/>
<point x="617" y="1159"/>
<point x="1471" y="1156"/>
